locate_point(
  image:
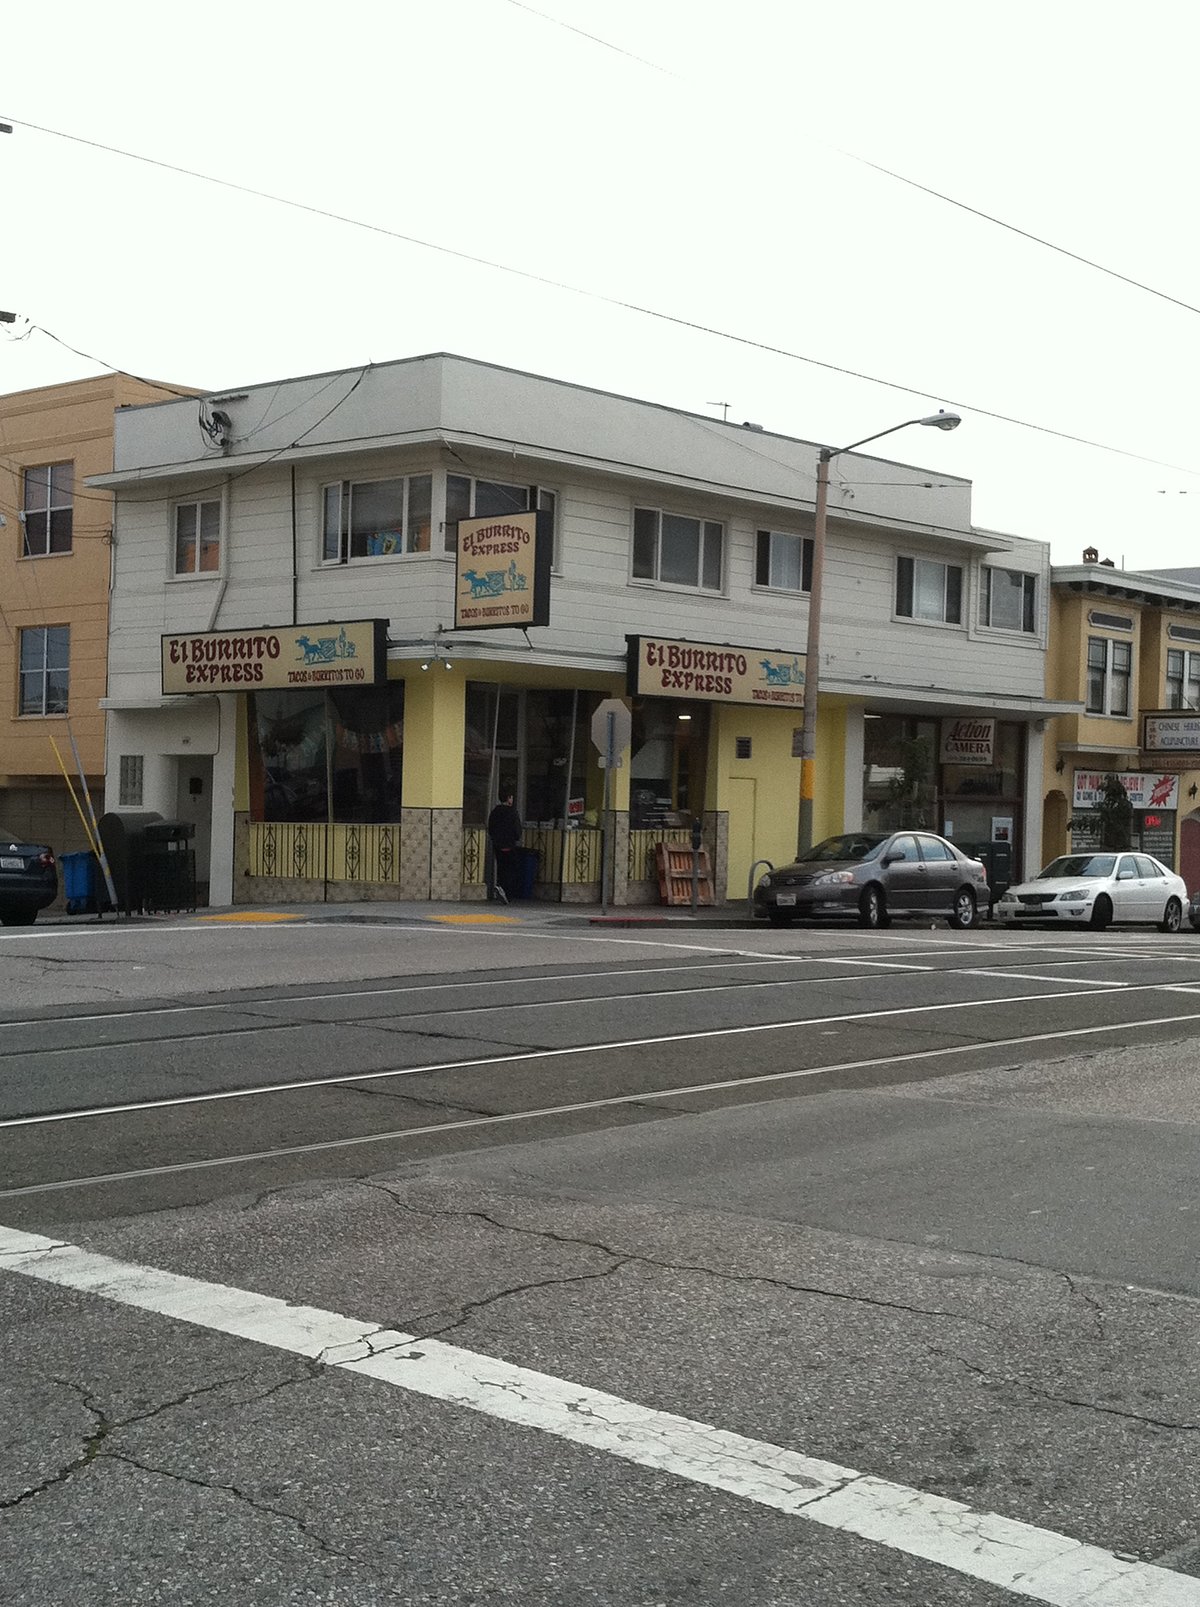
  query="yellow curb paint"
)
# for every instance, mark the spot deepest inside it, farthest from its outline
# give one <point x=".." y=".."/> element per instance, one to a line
<point x="478" y="920"/>
<point x="250" y="915"/>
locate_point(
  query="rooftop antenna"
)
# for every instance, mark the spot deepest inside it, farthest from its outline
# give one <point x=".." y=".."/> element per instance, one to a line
<point x="724" y="406"/>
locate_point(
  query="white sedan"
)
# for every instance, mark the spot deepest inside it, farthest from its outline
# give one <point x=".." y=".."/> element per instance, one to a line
<point x="1097" y="889"/>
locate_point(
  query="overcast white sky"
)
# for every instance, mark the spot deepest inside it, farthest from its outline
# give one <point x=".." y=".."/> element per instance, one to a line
<point x="715" y="180"/>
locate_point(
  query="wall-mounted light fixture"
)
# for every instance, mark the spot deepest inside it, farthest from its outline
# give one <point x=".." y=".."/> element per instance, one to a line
<point x="1192" y="790"/>
<point x="1061" y="766"/>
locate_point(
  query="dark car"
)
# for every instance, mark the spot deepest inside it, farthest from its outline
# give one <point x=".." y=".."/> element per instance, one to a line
<point x="875" y="875"/>
<point x="1194" y="911"/>
<point x="28" y="880"/>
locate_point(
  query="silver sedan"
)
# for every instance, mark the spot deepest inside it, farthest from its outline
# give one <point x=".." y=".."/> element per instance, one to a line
<point x="875" y="875"/>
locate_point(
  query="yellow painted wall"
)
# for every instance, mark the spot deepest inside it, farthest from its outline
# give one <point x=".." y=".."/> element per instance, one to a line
<point x="762" y="794"/>
<point x="58" y="424"/>
<point x="1068" y="672"/>
<point x="1156" y="643"/>
<point x="434" y="734"/>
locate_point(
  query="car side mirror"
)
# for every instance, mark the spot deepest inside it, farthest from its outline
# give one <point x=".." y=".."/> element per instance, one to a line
<point x="893" y="859"/>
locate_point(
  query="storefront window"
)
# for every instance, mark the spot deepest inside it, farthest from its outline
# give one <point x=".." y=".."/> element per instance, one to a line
<point x="301" y="741"/>
<point x="550" y="748"/>
<point x="899" y="773"/>
<point x="367" y="726"/>
<point x="530" y="738"/>
<point x="666" y="774"/>
<point x="905" y="783"/>
<point x="491" y="748"/>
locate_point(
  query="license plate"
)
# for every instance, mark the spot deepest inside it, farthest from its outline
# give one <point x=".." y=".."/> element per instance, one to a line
<point x="12" y="864"/>
<point x="786" y="898"/>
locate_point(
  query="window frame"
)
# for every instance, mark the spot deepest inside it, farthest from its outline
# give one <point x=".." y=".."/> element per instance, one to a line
<point x="947" y="568"/>
<point x="536" y="496"/>
<point x="764" y="557"/>
<point x="48" y="511"/>
<point x="1189" y="661"/>
<point x="704" y="526"/>
<point x="344" y="488"/>
<point x="43" y="672"/>
<point x="1029" y="619"/>
<point x="131" y="780"/>
<point x="1113" y="678"/>
<point x="198" y="503"/>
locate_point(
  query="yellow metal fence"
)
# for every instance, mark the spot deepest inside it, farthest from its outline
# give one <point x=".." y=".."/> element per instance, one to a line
<point x="315" y="851"/>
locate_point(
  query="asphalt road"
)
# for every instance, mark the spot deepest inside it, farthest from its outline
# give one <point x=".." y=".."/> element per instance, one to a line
<point x="547" y="1265"/>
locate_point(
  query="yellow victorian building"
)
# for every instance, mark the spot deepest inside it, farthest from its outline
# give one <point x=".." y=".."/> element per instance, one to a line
<point x="1126" y="646"/>
<point x="56" y="546"/>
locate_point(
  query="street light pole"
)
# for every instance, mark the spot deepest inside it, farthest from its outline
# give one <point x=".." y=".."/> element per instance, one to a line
<point x="812" y="663"/>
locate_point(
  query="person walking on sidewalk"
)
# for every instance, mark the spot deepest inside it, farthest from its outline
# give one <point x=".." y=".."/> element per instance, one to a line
<point x="505" y="828"/>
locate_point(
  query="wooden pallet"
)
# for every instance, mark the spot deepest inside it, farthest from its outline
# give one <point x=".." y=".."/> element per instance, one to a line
<point x="674" y="862"/>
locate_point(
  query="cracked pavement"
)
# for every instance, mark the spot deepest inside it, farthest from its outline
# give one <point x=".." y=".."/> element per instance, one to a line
<point x="979" y="1283"/>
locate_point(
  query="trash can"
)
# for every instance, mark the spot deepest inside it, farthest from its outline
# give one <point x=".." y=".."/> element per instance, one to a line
<point x="168" y="866"/>
<point x="997" y="861"/>
<point x="83" y="884"/>
<point x="528" y="870"/>
<point x="121" y="838"/>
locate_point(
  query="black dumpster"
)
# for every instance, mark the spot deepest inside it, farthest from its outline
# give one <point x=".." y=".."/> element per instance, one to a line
<point x="997" y="861"/>
<point x="121" y="838"/>
<point x="168" y="866"/>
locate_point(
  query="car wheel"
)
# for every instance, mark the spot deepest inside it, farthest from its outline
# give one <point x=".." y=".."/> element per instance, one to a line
<point x="1172" y="916"/>
<point x="18" y="915"/>
<point x="779" y="917"/>
<point x="872" y="909"/>
<point x="1102" y="913"/>
<point x="963" y="917"/>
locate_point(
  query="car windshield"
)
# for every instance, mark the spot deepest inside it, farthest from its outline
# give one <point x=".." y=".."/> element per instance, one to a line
<point x="1080" y="865"/>
<point x="854" y="845"/>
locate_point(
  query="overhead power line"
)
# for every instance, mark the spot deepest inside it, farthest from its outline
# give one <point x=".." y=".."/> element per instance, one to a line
<point x="888" y="172"/>
<point x="528" y="275"/>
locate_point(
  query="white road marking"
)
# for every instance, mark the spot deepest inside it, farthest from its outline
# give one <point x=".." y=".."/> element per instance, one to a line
<point x="457" y="986"/>
<point x="1032" y="1562"/>
<point x="282" y="1023"/>
<point x="396" y="1135"/>
<point x="1032" y="976"/>
<point x="260" y="1091"/>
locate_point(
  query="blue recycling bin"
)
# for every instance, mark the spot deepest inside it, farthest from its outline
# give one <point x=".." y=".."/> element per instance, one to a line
<point x="528" y="868"/>
<point x="82" y="883"/>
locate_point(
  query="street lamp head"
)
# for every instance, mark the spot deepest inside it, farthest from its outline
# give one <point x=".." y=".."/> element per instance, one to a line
<point x="942" y="420"/>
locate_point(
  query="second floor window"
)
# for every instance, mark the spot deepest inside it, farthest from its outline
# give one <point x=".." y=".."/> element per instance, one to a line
<point x="928" y="590"/>
<point x="1183" y="679"/>
<point x="45" y="669"/>
<point x="676" y="550"/>
<point x="376" y="518"/>
<point x="197" y="538"/>
<point x="1109" y="672"/>
<point x="47" y="509"/>
<point x="489" y="499"/>
<point x="1008" y="600"/>
<point x="783" y="561"/>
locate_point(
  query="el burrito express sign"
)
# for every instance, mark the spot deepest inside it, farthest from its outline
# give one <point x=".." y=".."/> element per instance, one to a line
<point x="502" y="571"/>
<point x="715" y="672"/>
<point x="343" y="653"/>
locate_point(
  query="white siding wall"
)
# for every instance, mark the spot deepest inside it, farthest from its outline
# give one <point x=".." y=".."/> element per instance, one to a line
<point x="594" y="602"/>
